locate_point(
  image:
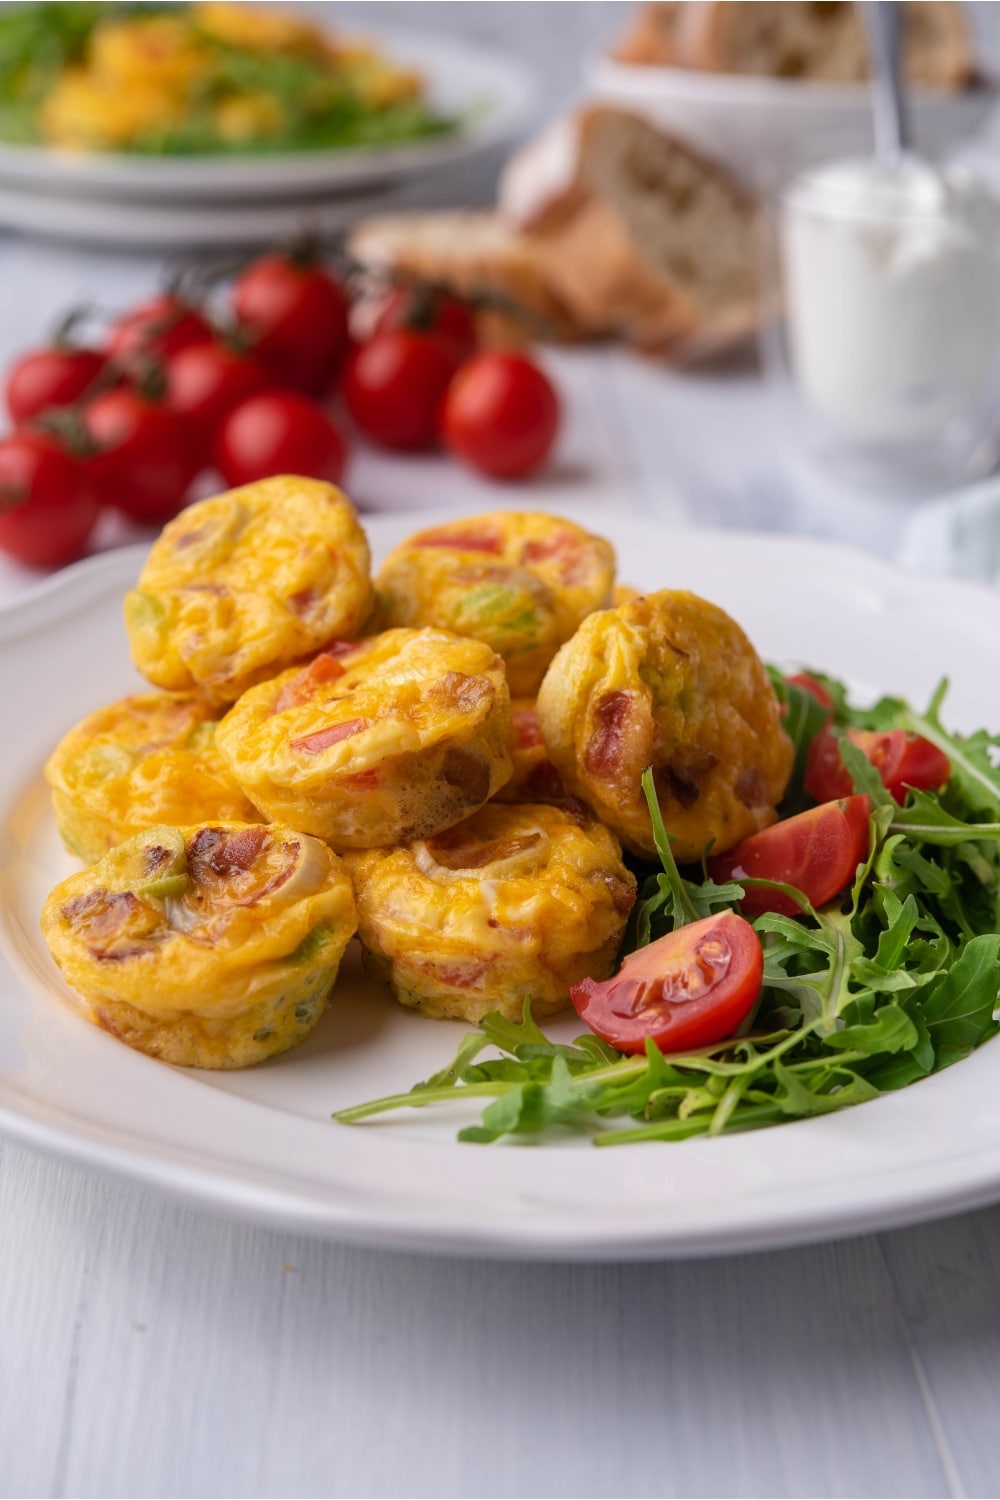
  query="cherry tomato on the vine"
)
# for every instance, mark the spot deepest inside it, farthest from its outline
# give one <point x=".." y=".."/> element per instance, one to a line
<point x="279" y="432"/>
<point x="206" y="381"/>
<point x="902" y="760"/>
<point x="425" y="309"/>
<point x="691" y="988"/>
<point x="55" y="376"/>
<point x="817" y="851"/>
<point x="157" y="328"/>
<point x="295" y="313"/>
<point x="145" y="460"/>
<point x="501" y="415"/>
<point x="394" y="386"/>
<point x="47" y="504"/>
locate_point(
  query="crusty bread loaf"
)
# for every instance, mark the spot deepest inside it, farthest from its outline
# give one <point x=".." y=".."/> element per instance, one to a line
<point x="608" y="228"/>
<point x="823" y="43"/>
<point x="637" y="234"/>
<point x="476" y="254"/>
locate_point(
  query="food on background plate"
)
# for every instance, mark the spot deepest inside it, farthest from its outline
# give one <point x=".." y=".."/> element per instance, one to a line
<point x="212" y="946"/>
<point x="375" y="742"/>
<point x="242" y="585"/>
<point x="813" y="43"/>
<point x="608" y="227"/>
<point x="513" y="901"/>
<point x="668" y="681"/>
<point x="204" y="79"/>
<point x="522" y="581"/>
<point x="150" y="758"/>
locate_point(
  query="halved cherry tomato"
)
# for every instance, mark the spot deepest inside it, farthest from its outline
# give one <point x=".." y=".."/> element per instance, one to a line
<point x="158" y="327"/>
<point x="810" y="684"/>
<point x="691" y="988"/>
<point x="902" y="760"/>
<point x="816" y="851"/>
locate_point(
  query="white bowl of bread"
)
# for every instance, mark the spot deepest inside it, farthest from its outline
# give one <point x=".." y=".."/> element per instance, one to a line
<point x="766" y="86"/>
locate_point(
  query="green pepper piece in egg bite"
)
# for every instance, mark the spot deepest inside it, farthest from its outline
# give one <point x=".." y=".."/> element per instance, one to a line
<point x="519" y="580"/>
<point x="209" y="946"/>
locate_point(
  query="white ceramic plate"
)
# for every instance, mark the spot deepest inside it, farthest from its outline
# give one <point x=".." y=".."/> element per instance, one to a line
<point x="260" y="1143"/>
<point x="766" y="127"/>
<point x="489" y="92"/>
<point x="184" y="226"/>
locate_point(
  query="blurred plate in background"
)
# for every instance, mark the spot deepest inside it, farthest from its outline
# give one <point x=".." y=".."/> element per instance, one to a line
<point x="176" y="200"/>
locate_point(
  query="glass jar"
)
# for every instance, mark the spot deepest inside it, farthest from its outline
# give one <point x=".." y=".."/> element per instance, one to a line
<point x="888" y="340"/>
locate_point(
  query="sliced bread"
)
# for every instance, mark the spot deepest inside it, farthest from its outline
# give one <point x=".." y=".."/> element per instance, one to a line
<point x="637" y="234"/>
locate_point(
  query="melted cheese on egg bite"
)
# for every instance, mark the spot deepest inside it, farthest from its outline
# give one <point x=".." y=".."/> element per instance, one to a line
<point x="515" y="902"/>
<point x="208" y="946"/>
<point x="670" y="681"/>
<point x="382" y="740"/>
<point x="238" y="587"/>
<point x="149" y="758"/>
<point x="521" y="581"/>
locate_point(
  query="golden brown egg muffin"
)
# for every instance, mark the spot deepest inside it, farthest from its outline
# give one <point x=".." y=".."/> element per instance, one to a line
<point x="241" y="586"/>
<point x="518" y="580"/>
<point x="669" y="681"/>
<point x="393" y="738"/>
<point x="209" y="946"/>
<point x="149" y="758"/>
<point x="515" y="902"/>
<point x="534" y="778"/>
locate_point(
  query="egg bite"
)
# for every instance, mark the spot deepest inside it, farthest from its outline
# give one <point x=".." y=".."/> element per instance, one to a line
<point x="391" y="738"/>
<point x="238" y="587"/>
<point x="210" y="946"/>
<point x="514" y="903"/>
<point x="521" y="581"/>
<point x="147" y="759"/>
<point x="534" y="777"/>
<point x="670" y="681"/>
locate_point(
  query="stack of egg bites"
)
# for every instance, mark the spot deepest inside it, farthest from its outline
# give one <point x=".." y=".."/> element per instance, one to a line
<point x="445" y="760"/>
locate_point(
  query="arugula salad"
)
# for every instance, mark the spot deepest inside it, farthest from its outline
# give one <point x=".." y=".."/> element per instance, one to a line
<point x="742" y="1002"/>
<point x="208" y="78"/>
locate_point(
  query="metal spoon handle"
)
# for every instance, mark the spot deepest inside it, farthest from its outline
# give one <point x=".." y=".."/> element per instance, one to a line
<point x="884" y="22"/>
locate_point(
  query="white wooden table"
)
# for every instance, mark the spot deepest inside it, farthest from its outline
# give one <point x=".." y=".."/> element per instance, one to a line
<point x="150" y="1349"/>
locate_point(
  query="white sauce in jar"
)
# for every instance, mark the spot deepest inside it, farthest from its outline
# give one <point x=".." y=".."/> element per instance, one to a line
<point x="892" y="297"/>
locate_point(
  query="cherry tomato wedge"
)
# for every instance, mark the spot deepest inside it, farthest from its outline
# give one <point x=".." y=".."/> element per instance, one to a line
<point x="902" y="760"/>
<point x="810" y="684"/>
<point x="691" y="988"/>
<point x="816" y="851"/>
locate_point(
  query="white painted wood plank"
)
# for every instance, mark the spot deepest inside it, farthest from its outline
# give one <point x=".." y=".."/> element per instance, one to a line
<point x="168" y="1352"/>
